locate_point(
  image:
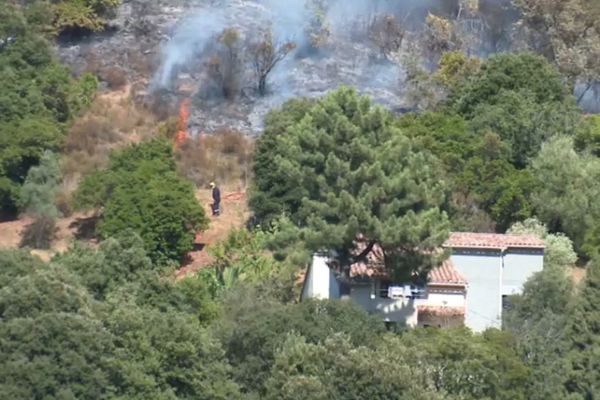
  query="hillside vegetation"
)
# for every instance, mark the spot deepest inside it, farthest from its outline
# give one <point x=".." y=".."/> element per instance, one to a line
<point x="493" y="144"/>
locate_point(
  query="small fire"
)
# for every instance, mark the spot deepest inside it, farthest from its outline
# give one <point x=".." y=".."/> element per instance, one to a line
<point x="182" y="129"/>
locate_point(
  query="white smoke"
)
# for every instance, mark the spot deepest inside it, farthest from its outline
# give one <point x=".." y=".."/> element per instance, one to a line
<point x="189" y="40"/>
<point x="286" y="18"/>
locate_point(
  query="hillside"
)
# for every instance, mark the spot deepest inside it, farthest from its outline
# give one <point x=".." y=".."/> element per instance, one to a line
<point x="235" y="214"/>
<point x="408" y="194"/>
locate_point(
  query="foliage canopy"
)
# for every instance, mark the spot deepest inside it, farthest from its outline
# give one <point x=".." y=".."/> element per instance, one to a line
<point x="345" y="170"/>
<point x="142" y="191"/>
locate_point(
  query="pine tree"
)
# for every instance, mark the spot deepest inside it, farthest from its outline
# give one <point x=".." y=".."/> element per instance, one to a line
<point x="344" y="170"/>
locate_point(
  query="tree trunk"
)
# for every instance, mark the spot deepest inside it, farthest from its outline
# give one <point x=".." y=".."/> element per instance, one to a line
<point x="262" y="85"/>
<point x="582" y="95"/>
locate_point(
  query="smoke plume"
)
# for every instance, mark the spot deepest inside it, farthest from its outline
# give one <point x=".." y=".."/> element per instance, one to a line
<point x="347" y="55"/>
<point x="287" y="19"/>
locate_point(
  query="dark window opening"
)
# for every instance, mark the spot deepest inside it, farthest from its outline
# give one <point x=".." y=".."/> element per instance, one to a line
<point x="384" y="287"/>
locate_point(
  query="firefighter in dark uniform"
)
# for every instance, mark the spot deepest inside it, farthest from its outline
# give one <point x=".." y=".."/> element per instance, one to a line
<point x="216" y="195"/>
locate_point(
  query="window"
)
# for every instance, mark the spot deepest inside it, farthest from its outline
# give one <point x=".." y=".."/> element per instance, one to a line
<point x="389" y="290"/>
<point x="344" y="289"/>
<point x="384" y="288"/>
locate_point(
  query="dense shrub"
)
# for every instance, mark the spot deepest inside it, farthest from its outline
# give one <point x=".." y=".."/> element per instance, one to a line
<point x="140" y="190"/>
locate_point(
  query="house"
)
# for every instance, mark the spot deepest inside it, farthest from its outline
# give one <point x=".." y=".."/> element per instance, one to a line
<point x="439" y="302"/>
<point x="467" y="289"/>
<point x="496" y="266"/>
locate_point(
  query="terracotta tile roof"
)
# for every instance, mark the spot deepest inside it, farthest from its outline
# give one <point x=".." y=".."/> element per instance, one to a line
<point x="364" y="269"/>
<point x="492" y="241"/>
<point x="373" y="267"/>
<point x="446" y="274"/>
<point x="440" y="311"/>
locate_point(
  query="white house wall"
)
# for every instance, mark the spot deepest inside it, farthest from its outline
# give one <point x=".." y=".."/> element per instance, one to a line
<point x="445" y="299"/>
<point x="520" y="265"/>
<point x="394" y="310"/>
<point x="483" y="271"/>
<point x="320" y="281"/>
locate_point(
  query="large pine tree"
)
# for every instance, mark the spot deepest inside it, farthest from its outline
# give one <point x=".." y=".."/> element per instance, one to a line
<point x="344" y="169"/>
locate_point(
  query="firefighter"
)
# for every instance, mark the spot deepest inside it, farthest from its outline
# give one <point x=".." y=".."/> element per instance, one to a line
<point x="216" y="195"/>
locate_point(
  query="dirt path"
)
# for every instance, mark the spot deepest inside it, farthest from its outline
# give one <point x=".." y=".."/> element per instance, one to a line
<point x="234" y="214"/>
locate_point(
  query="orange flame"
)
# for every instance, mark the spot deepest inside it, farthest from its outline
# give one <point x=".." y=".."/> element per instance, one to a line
<point x="184" y="115"/>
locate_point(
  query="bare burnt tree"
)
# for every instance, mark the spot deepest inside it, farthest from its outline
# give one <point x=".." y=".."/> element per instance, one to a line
<point x="387" y="34"/>
<point x="265" y="54"/>
<point x="225" y="66"/>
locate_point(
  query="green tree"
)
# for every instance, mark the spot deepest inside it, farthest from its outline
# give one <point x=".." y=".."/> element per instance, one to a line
<point x="16" y="263"/>
<point x="53" y="345"/>
<point x="120" y="266"/>
<point x="38" y="99"/>
<point x="167" y="355"/>
<point x="351" y="171"/>
<point x="117" y="261"/>
<point x="142" y="191"/>
<point x="559" y="250"/>
<point x="241" y="258"/>
<point x="22" y="144"/>
<point x="569" y="184"/>
<point x="40" y="188"/>
<point x="445" y="135"/>
<point x="589" y="139"/>
<point x="81" y="14"/>
<point x="58" y="342"/>
<point x="522" y="99"/>
<point x="455" y="69"/>
<point x="268" y="200"/>
<point x="524" y="72"/>
<point x="191" y="295"/>
<point x="467" y="365"/>
<point x="38" y="200"/>
<point x="337" y="369"/>
<point x="523" y="123"/>
<point x="253" y="328"/>
<point x="584" y="339"/>
<point x="497" y="186"/>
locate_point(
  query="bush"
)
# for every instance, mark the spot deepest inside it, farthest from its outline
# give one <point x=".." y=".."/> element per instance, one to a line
<point x="224" y="156"/>
<point x="225" y="66"/>
<point x="38" y="194"/>
<point x="40" y="233"/>
<point x="78" y="15"/>
<point x="63" y="203"/>
<point x="115" y="77"/>
<point x="140" y="190"/>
